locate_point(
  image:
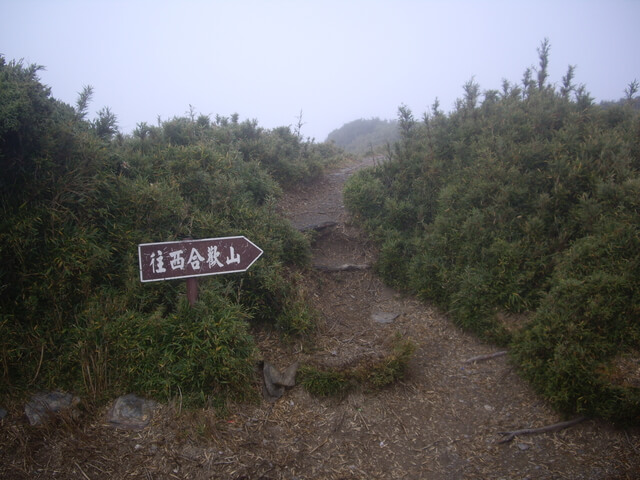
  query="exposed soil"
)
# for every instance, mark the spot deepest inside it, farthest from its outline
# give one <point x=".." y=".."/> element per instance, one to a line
<point x="441" y="422"/>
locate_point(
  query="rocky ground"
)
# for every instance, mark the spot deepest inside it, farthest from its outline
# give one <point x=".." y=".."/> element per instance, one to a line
<point x="443" y="421"/>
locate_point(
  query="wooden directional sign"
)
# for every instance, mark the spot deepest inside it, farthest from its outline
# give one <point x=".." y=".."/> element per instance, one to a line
<point x="196" y="258"/>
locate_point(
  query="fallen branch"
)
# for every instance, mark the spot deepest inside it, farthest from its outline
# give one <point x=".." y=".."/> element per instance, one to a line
<point x="533" y="431"/>
<point x="489" y="356"/>
<point x="342" y="268"/>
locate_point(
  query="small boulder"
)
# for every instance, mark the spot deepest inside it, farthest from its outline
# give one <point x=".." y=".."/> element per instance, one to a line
<point x="384" y="317"/>
<point x="42" y="405"/>
<point x="131" y="412"/>
<point x="275" y="381"/>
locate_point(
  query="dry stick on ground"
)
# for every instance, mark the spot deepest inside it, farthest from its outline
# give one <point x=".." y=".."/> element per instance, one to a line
<point x="489" y="356"/>
<point x="318" y="446"/>
<point x="532" y="431"/>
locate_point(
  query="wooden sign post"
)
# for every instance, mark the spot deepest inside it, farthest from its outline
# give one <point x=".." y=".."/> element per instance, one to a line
<point x="190" y="259"/>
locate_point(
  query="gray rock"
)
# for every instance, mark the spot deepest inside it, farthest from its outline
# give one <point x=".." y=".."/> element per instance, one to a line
<point x="131" y="412"/>
<point x="3" y="413"/>
<point x="384" y="317"/>
<point x="275" y="381"/>
<point x="42" y="405"/>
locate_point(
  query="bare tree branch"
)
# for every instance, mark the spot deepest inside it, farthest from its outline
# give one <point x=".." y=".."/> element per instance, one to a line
<point x="533" y="431"/>
<point x="489" y="356"/>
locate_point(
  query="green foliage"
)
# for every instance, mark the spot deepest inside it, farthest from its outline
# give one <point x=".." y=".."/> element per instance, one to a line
<point x="597" y="286"/>
<point x="106" y="125"/>
<point x="392" y="367"/>
<point x="324" y="382"/>
<point x="522" y="203"/>
<point x="201" y="353"/>
<point x="372" y="375"/>
<point x="296" y="318"/>
<point x="77" y="198"/>
<point x="365" y="194"/>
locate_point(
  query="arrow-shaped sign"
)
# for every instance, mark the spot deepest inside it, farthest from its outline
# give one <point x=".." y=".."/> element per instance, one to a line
<point x="196" y="258"/>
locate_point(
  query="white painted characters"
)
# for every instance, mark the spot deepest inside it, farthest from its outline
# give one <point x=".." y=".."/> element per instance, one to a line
<point x="195" y="260"/>
<point x="157" y="262"/>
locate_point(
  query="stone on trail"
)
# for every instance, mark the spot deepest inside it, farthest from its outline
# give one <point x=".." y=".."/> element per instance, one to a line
<point x="384" y="317"/>
<point x="275" y="381"/>
<point x="130" y="411"/>
<point x="42" y="405"/>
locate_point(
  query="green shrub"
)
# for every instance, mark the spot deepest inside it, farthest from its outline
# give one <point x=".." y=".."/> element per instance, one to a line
<point x="199" y="353"/>
<point x="78" y="198"/>
<point x="392" y="367"/>
<point x="372" y="375"/>
<point x="364" y="194"/>
<point x="525" y="203"/>
<point x="588" y="319"/>
<point x="324" y="382"/>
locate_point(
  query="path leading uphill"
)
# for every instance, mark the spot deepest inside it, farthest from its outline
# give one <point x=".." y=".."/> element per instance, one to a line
<point x="442" y="422"/>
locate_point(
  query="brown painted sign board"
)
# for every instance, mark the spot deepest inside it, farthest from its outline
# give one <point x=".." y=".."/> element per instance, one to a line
<point x="196" y="258"/>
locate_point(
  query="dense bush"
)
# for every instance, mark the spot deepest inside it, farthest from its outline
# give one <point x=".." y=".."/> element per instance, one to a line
<point x="519" y="215"/>
<point x="78" y="197"/>
<point x="202" y="353"/>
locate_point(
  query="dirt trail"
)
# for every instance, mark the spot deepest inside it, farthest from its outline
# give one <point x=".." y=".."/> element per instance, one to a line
<point x="442" y="422"/>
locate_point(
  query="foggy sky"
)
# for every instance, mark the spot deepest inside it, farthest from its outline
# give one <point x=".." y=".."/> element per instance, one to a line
<point x="334" y="61"/>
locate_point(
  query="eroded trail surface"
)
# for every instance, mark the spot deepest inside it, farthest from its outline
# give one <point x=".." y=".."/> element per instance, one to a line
<point x="442" y="422"/>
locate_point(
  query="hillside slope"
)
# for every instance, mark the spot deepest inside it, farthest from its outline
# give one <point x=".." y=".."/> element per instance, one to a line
<point x="441" y="421"/>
